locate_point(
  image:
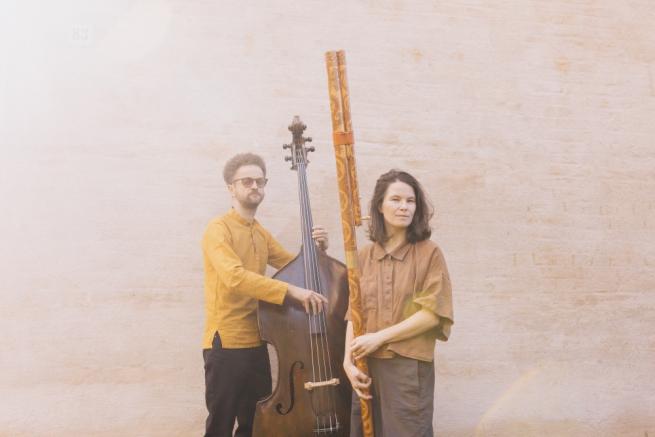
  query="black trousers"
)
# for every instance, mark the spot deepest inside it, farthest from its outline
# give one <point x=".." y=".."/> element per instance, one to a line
<point x="235" y="379"/>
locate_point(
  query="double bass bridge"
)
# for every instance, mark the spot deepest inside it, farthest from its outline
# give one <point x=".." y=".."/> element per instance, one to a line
<point x="309" y="386"/>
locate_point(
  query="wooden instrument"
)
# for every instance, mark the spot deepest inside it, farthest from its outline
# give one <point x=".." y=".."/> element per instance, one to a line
<point x="313" y="395"/>
<point x="351" y="215"/>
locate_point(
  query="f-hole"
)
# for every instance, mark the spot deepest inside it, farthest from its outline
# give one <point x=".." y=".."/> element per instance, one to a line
<point x="279" y="407"/>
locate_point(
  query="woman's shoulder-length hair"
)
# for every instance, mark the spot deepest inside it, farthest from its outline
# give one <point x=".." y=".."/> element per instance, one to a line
<point x="419" y="229"/>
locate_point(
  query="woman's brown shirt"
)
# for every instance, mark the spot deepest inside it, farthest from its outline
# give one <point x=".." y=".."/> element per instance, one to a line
<point x="398" y="284"/>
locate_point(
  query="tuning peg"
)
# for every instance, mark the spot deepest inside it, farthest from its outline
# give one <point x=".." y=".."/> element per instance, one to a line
<point x="308" y="139"/>
<point x="286" y="146"/>
<point x="311" y="149"/>
<point x="288" y="158"/>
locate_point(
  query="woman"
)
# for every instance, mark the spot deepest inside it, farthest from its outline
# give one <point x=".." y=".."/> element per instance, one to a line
<point x="406" y="306"/>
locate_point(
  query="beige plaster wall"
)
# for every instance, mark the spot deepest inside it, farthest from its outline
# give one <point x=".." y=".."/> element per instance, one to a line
<point x="530" y="123"/>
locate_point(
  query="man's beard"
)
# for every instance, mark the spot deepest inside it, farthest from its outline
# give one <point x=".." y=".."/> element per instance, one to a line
<point x="251" y="200"/>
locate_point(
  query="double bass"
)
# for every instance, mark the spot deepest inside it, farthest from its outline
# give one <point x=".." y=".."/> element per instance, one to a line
<point x="312" y="396"/>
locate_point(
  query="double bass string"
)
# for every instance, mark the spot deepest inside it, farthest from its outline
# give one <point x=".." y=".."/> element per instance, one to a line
<point x="313" y="281"/>
<point x="327" y="392"/>
<point x="310" y="280"/>
<point x="306" y="259"/>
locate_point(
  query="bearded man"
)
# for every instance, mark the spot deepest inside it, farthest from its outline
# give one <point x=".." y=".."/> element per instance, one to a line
<point x="236" y="250"/>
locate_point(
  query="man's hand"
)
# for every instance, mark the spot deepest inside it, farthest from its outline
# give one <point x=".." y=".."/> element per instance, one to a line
<point x="320" y="235"/>
<point x="312" y="301"/>
<point x="358" y="379"/>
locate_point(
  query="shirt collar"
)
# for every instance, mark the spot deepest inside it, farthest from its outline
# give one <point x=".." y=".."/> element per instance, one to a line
<point x="398" y="253"/>
<point x="235" y="215"/>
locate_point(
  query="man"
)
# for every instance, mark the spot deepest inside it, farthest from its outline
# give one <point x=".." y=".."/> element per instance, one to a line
<point x="236" y="250"/>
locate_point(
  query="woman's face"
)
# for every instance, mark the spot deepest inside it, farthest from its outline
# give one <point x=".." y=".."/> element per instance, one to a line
<point x="398" y="206"/>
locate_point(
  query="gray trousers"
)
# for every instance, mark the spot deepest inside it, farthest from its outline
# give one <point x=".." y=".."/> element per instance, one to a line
<point x="403" y="395"/>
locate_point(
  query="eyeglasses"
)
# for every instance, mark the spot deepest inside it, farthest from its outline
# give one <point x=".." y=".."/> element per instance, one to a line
<point x="248" y="182"/>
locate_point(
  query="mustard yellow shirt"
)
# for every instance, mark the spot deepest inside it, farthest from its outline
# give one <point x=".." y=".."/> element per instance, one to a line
<point x="236" y="252"/>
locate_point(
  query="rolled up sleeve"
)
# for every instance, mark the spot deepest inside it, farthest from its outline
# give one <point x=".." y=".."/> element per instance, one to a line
<point x="436" y="294"/>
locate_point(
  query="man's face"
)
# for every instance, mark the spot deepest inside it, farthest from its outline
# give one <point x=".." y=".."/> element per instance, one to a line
<point x="244" y="187"/>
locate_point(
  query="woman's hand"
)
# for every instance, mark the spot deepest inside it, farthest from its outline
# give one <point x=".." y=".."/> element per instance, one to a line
<point x="359" y="380"/>
<point x="366" y="344"/>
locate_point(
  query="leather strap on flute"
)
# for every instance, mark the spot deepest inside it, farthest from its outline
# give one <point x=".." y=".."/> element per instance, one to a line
<point x="343" y="138"/>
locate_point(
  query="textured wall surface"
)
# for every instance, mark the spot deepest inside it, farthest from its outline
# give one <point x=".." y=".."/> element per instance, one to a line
<point x="530" y="123"/>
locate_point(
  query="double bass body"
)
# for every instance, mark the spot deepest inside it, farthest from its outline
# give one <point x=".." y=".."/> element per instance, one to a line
<point x="293" y="410"/>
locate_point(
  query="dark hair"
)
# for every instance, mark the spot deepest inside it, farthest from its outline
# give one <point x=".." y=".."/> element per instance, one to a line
<point x="419" y="228"/>
<point x="240" y="160"/>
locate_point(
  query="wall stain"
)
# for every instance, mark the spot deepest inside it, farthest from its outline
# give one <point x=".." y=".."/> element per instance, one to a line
<point x="563" y="64"/>
<point x="417" y="55"/>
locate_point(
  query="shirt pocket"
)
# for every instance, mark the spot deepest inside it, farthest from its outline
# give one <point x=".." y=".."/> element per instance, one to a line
<point x="369" y="293"/>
